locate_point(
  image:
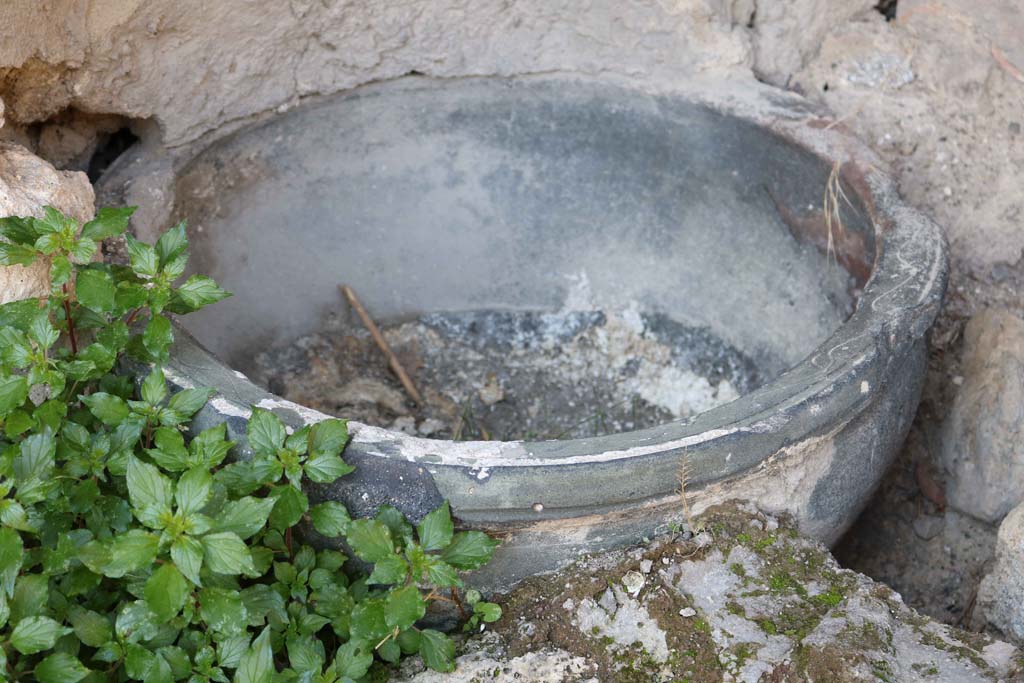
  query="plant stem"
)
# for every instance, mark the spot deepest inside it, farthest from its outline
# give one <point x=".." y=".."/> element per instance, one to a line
<point x="71" y="323"/>
<point x="458" y="603"/>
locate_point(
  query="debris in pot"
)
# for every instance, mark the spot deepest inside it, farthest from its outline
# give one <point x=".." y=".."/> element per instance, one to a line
<point x="513" y="374"/>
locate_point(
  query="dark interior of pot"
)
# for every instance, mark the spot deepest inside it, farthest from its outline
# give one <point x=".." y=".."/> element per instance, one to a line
<point x="548" y="259"/>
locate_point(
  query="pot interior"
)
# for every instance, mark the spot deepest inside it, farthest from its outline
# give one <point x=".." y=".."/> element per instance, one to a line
<point x="548" y="258"/>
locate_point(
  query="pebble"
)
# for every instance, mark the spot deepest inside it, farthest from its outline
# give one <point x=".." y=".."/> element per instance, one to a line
<point x="633" y="582"/>
<point x="928" y="527"/>
<point x="404" y="424"/>
<point x="687" y="612"/>
<point x="645" y="566"/>
<point x="430" y="426"/>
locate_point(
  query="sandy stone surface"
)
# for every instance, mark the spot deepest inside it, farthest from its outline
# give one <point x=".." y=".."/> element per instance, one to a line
<point x="745" y="600"/>
<point x="27" y="184"/>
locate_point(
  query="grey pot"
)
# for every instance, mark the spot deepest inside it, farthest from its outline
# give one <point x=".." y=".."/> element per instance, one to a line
<point x="705" y="204"/>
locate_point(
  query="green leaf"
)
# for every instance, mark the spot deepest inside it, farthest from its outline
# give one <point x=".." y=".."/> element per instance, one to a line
<point x="17" y="254"/>
<point x="488" y="611"/>
<point x="171" y="244"/>
<point x="187" y="554"/>
<point x="404" y="607"/>
<point x="262" y="600"/>
<point x="158" y="337"/>
<point x="166" y="592"/>
<point x="193" y="490"/>
<point x="353" y="660"/>
<point x="108" y="222"/>
<point x="441" y="573"/>
<point x="289" y="506"/>
<point x="143" y="257"/>
<point x="141" y="664"/>
<point x="108" y="409"/>
<point x="35" y="634"/>
<point x="265" y="432"/>
<point x="188" y="402"/>
<point x="226" y="553"/>
<point x="257" y="664"/>
<point x="368" y="622"/>
<point x="154" y="388"/>
<point x="60" y="270"/>
<point x="325" y="468"/>
<point x="437" y="650"/>
<point x="178" y="660"/>
<point x="223" y="611"/>
<point x="130" y="296"/>
<point x="390" y="651"/>
<point x="245" y="516"/>
<point x="35" y="459"/>
<point x="196" y="292"/>
<point x="82" y="251"/>
<point x="370" y="539"/>
<point x="135" y="622"/>
<point x="469" y="550"/>
<point x="304" y="655"/>
<point x="49" y="243"/>
<point x="148" y="489"/>
<point x="409" y="641"/>
<point x="60" y="667"/>
<point x="330" y="519"/>
<point x="92" y="628"/>
<point x="389" y="571"/>
<point x="94" y="289"/>
<point x="230" y="650"/>
<point x="436" y="529"/>
<point x="11" y="556"/>
<point x="130" y="552"/>
<point x="42" y="331"/>
<point x="13" y="392"/>
<point x="328" y="437"/>
<point x="15" y="349"/>
<point x="19" y="229"/>
<point x="53" y="221"/>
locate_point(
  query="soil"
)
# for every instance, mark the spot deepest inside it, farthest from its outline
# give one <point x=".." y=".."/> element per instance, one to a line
<point x="513" y="375"/>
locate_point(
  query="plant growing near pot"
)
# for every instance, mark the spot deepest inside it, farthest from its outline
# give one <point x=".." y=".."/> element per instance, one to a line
<point x="133" y="549"/>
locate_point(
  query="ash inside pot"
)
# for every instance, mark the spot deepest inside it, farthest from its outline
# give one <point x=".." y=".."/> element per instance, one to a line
<point x="513" y="375"/>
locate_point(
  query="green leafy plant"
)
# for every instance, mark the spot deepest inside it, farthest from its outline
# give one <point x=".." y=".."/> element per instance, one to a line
<point x="133" y="549"/>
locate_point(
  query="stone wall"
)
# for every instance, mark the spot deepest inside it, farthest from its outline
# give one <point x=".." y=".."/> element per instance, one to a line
<point x="191" y="66"/>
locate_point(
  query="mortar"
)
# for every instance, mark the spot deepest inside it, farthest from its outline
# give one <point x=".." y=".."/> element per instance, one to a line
<point x="526" y="197"/>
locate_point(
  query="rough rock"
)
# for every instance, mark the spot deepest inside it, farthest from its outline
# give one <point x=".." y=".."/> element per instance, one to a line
<point x="939" y="92"/>
<point x="1000" y="596"/>
<point x="1001" y="593"/>
<point x="197" y="66"/>
<point x="27" y="184"/>
<point x="983" y="438"/>
<point x="752" y="606"/>
<point x="788" y="34"/>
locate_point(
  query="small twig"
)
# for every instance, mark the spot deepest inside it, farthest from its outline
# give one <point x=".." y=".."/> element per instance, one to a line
<point x="393" y="361"/>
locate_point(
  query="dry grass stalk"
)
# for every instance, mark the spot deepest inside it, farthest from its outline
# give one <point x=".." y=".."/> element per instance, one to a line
<point x="684" y="478"/>
<point x="832" y="205"/>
